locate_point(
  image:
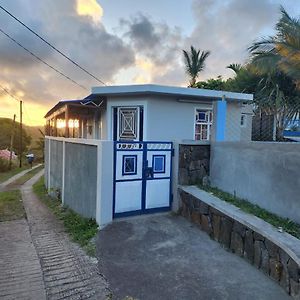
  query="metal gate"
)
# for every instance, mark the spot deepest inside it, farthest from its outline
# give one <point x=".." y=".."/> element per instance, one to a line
<point x="142" y="177"/>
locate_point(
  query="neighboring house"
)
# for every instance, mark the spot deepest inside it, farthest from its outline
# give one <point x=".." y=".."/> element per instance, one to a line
<point x="5" y="154"/>
<point x="153" y="113"/>
<point x="125" y="141"/>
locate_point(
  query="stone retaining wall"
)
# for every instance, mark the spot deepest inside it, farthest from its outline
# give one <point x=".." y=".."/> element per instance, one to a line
<point x="238" y="238"/>
<point x="194" y="160"/>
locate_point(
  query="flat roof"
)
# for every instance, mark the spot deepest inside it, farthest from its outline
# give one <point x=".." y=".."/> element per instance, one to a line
<point x="119" y="90"/>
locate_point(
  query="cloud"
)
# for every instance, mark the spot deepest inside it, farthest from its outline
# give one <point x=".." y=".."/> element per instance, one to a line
<point x="71" y="29"/>
<point x="158" y="48"/>
<point x="227" y="28"/>
<point x="89" y="8"/>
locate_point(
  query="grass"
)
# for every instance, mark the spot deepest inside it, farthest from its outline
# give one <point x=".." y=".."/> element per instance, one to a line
<point x="11" y="207"/>
<point x="6" y="175"/>
<point x="81" y="230"/>
<point x="286" y="224"/>
<point x="26" y="177"/>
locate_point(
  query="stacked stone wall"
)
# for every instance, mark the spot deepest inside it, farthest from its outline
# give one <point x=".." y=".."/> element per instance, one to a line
<point x="194" y="163"/>
<point x="243" y="241"/>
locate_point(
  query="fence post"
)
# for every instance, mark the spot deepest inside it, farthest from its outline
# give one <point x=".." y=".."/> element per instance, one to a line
<point x="99" y="179"/>
<point x="63" y="173"/>
<point x="49" y="164"/>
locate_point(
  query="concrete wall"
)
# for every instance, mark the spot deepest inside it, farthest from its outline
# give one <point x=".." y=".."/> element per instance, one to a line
<point x="80" y="190"/>
<point x="82" y="171"/>
<point x="53" y="163"/>
<point x="264" y="173"/>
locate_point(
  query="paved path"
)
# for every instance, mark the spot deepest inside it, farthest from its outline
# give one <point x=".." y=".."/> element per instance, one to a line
<point x="166" y="257"/>
<point x="20" y="270"/>
<point x="15" y="177"/>
<point x="59" y="269"/>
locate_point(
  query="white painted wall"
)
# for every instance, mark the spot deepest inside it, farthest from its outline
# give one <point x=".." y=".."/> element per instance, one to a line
<point x="169" y="119"/>
<point x="234" y="131"/>
<point x="104" y="204"/>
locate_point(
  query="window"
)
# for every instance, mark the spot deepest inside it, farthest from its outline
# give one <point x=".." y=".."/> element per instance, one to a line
<point x="129" y="165"/>
<point x="243" y="120"/>
<point x="128" y="123"/>
<point x="158" y="163"/>
<point x="203" y="122"/>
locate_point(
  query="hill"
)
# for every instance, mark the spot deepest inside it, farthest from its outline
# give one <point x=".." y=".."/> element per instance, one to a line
<point x="31" y="134"/>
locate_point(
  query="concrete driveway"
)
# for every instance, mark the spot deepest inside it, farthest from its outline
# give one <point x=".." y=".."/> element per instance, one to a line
<point x="167" y="257"/>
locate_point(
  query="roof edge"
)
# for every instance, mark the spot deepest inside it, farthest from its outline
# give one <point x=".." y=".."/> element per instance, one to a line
<point x="169" y="90"/>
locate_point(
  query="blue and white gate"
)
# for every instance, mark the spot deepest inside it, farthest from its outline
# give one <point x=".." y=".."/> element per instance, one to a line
<point x="142" y="177"/>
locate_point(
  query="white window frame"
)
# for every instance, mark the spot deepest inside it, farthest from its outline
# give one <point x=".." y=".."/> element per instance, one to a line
<point x="208" y="123"/>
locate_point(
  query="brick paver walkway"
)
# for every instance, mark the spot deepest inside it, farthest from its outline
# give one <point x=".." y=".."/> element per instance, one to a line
<point x="67" y="272"/>
<point x="20" y="270"/>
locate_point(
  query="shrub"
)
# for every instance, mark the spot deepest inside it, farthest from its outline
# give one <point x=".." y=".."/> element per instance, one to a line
<point x="4" y="165"/>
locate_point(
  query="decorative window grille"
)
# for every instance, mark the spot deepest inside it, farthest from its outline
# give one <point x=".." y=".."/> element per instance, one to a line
<point x="128" y="123"/>
<point x="129" y="165"/>
<point x="203" y="122"/>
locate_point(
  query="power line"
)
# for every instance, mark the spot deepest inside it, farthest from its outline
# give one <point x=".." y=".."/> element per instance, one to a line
<point x="53" y="47"/>
<point x="7" y="92"/>
<point x="41" y="60"/>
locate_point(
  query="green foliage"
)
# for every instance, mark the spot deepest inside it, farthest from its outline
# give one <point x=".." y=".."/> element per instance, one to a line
<point x="7" y="174"/>
<point x="81" y="230"/>
<point x="212" y="84"/>
<point x="25" y="177"/>
<point x="281" y="51"/>
<point x="6" y="126"/>
<point x="11" y="207"/>
<point x="194" y="63"/>
<point x="286" y="224"/>
<point x="235" y="67"/>
<point x="4" y="165"/>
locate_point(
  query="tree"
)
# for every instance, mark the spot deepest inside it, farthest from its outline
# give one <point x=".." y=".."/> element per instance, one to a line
<point x="280" y="52"/>
<point x="194" y="63"/>
<point x="212" y="84"/>
<point x="6" y="126"/>
<point x="277" y="60"/>
<point x="235" y="67"/>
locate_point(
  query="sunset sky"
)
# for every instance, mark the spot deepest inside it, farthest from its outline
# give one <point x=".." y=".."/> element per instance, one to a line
<point x="122" y="42"/>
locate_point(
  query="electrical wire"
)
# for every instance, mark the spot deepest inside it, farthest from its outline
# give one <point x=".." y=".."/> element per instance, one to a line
<point x="10" y="94"/>
<point x="50" y="45"/>
<point x="41" y="60"/>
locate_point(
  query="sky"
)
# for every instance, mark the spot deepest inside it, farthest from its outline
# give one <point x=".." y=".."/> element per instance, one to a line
<point x="122" y="42"/>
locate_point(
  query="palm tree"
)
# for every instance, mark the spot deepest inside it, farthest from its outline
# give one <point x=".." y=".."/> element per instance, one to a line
<point x="235" y="67"/>
<point x="282" y="51"/>
<point x="194" y="63"/>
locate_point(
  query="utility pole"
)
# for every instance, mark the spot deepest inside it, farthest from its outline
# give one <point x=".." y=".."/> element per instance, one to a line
<point x="21" y="129"/>
<point x="12" y="141"/>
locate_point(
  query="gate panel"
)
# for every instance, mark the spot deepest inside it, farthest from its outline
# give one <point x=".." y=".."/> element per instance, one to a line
<point x="128" y="177"/>
<point x="142" y="177"/>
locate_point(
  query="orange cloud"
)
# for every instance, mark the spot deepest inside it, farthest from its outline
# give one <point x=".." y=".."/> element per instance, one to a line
<point x="89" y="8"/>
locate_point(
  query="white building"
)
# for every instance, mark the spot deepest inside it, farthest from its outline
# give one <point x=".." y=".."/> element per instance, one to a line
<point x="122" y="161"/>
<point x="153" y="113"/>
